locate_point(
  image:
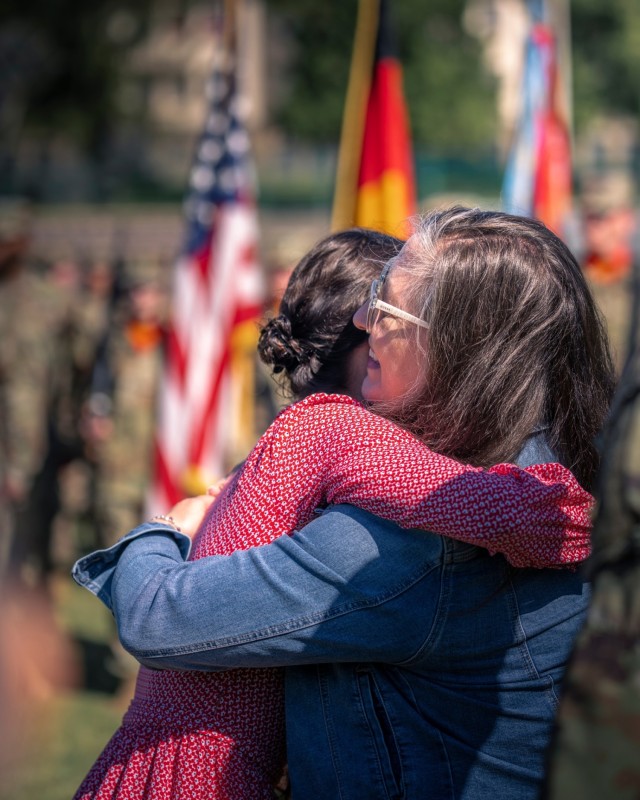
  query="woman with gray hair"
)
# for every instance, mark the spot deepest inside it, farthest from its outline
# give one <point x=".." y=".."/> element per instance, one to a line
<point x="414" y="663"/>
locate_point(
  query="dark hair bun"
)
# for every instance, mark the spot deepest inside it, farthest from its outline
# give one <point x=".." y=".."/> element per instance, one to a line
<point x="278" y="347"/>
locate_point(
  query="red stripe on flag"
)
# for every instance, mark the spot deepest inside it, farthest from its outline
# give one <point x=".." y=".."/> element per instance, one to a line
<point x="247" y="313"/>
<point x="176" y="360"/>
<point x="552" y="184"/>
<point x="387" y="143"/>
<point x="201" y="260"/>
<point x="205" y="262"/>
<point x="199" y="439"/>
<point x="163" y="480"/>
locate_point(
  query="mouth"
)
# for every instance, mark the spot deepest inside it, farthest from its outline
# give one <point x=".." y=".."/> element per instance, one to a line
<point x="373" y="362"/>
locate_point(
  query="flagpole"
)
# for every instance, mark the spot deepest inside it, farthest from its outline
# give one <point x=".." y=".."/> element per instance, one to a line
<point x="229" y="26"/>
<point x="351" y="138"/>
<point x="561" y="19"/>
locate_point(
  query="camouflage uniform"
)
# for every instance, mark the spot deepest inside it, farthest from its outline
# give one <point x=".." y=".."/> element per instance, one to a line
<point x="596" y="753"/>
<point x="36" y="387"/>
<point x="92" y="313"/>
<point x="609" y="221"/>
<point x="125" y="395"/>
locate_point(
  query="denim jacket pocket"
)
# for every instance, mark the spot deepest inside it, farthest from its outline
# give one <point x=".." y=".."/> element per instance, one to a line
<point x="384" y="743"/>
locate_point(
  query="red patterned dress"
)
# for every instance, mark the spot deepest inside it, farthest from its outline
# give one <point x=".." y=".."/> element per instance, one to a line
<point x="196" y="735"/>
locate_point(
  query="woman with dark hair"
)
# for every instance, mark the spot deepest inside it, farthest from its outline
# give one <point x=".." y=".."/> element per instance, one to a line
<point x="312" y="344"/>
<point x="414" y="628"/>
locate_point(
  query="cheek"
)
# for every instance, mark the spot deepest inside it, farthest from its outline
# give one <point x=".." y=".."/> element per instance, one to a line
<point x="357" y="370"/>
<point x="405" y="368"/>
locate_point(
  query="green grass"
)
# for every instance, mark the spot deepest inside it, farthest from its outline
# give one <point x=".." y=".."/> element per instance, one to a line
<point x="72" y="730"/>
<point x="65" y="732"/>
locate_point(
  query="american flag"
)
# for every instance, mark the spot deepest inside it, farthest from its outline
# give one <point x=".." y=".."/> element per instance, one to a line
<point x="217" y="295"/>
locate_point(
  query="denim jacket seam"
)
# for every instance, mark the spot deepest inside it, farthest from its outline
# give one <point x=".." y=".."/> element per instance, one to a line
<point x="332" y="739"/>
<point x="447" y="758"/>
<point x="98" y="590"/>
<point x="290" y="626"/>
<point x="524" y="646"/>
<point x="442" y="598"/>
<point x="535" y="672"/>
<point x="399" y="779"/>
<point x="548" y="679"/>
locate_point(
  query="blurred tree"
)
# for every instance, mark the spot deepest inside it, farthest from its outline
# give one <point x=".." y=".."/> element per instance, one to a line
<point x="440" y="61"/>
<point x="606" y="58"/>
<point x="61" y="62"/>
<point x="316" y="68"/>
<point x="449" y="93"/>
<point x="60" y="68"/>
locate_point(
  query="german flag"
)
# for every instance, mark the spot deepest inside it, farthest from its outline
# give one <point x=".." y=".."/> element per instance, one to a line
<point x="375" y="183"/>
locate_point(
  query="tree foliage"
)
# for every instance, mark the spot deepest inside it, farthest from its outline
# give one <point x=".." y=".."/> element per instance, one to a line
<point x="606" y="58"/>
<point x="69" y="65"/>
<point x="450" y="98"/>
<point x="60" y="59"/>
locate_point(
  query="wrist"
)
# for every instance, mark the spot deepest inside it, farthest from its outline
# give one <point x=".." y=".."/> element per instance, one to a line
<point x="167" y="519"/>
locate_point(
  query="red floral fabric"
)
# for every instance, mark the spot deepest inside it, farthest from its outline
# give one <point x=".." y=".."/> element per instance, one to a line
<point x="188" y="736"/>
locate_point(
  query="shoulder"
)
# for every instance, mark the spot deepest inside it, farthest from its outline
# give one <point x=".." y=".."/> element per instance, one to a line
<point x="368" y="540"/>
<point x="322" y="401"/>
<point x="336" y="411"/>
<point x="331" y="421"/>
<point x="321" y="408"/>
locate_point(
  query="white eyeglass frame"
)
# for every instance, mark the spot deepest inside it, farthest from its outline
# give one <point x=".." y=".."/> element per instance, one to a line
<point x="376" y="304"/>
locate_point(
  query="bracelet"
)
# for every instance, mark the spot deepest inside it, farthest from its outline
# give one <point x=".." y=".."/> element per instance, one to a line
<point x="169" y="520"/>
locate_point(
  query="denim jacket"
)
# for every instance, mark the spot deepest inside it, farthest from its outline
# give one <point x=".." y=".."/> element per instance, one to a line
<point x="416" y="666"/>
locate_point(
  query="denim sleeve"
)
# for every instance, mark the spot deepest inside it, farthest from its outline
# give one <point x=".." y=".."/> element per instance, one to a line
<point x="95" y="571"/>
<point x="344" y="588"/>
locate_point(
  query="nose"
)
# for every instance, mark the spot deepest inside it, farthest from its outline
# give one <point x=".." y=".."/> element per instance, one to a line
<point x="360" y="317"/>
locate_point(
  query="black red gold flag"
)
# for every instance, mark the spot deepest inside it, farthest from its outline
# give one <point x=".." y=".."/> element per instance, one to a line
<point x="375" y="184"/>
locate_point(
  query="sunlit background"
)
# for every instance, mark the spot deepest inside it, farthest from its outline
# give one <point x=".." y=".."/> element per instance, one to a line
<point x="102" y="104"/>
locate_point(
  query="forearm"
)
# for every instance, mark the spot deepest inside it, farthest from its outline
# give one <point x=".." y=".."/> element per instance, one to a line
<point x="536" y="517"/>
<point x="318" y="596"/>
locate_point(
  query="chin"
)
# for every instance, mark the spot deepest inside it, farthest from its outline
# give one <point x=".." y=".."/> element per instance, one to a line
<point x="369" y="394"/>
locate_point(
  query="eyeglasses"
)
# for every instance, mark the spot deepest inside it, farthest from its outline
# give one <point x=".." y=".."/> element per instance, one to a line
<point x="376" y="305"/>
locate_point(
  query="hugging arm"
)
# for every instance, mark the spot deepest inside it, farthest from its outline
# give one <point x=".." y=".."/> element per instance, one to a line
<point x="335" y="591"/>
<point x="536" y="517"/>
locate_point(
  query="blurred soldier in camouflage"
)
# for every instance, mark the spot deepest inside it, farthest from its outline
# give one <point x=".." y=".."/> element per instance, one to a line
<point x="39" y="415"/>
<point x="36" y="659"/>
<point x="596" y="754"/>
<point x="92" y="314"/>
<point x="122" y="403"/>
<point x="32" y="317"/>
<point x="609" y="221"/>
<point x="16" y="459"/>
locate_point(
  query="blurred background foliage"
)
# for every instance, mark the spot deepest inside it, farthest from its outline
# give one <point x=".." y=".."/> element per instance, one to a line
<point x="451" y="100"/>
<point x="606" y="58"/>
<point x="80" y="83"/>
<point x="63" y="63"/>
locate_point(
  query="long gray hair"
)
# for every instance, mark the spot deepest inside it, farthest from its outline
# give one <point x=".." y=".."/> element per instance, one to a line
<point x="514" y="343"/>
